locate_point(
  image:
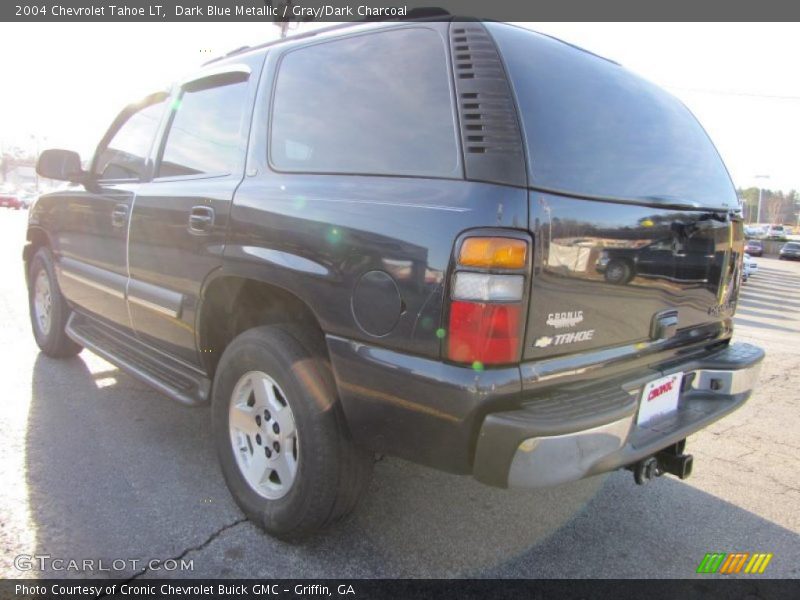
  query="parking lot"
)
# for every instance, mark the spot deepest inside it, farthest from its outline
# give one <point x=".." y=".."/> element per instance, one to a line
<point x="94" y="465"/>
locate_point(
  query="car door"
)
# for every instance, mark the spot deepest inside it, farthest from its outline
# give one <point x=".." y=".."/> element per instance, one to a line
<point x="656" y="259"/>
<point x="695" y="259"/>
<point x="179" y="219"/>
<point x="90" y="224"/>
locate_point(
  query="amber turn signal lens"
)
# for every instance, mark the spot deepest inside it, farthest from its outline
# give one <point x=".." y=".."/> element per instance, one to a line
<point x="493" y="253"/>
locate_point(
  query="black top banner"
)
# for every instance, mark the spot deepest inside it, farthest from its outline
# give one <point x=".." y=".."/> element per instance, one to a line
<point x="355" y="10"/>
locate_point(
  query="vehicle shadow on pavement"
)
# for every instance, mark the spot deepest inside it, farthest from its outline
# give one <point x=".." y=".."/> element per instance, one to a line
<point x="116" y="471"/>
<point x="660" y="531"/>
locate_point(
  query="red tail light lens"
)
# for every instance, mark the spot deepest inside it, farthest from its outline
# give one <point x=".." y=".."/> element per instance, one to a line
<point x="484" y="333"/>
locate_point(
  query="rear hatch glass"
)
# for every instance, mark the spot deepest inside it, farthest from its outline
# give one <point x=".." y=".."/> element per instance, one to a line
<point x="594" y="129"/>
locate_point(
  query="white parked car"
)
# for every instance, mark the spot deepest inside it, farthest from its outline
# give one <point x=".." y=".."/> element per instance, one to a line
<point x="776" y="232"/>
<point x="750" y="267"/>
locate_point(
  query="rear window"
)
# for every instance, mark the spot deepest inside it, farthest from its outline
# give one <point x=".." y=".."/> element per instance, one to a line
<point x="370" y="104"/>
<point x="593" y="128"/>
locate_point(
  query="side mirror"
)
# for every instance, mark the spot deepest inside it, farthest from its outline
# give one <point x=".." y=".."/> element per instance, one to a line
<point x="64" y="165"/>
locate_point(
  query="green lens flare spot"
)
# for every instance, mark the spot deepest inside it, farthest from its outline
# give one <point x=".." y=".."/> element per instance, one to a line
<point x="333" y="235"/>
<point x="176" y="104"/>
<point x="440" y="333"/>
<point x="477" y="366"/>
<point x="300" y="202"/>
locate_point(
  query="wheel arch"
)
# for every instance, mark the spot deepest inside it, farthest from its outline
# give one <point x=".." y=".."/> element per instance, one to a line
<point x="37" y="238"/>
<point x="235" y="300"/>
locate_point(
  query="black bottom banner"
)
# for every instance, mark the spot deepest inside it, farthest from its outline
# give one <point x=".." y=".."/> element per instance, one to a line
<point x="412" y="589"/>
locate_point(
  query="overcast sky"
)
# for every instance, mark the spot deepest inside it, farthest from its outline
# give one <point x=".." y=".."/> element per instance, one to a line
<point x="66" y="82"/>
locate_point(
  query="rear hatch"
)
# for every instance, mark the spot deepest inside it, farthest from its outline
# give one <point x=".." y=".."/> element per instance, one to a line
<point x="631" y="208"/>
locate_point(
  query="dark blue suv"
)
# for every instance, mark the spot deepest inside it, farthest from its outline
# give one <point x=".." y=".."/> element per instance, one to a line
<point x="464" y="244"/>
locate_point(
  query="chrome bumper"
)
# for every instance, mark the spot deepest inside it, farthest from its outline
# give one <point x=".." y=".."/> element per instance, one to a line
<point x="713" y="388"/>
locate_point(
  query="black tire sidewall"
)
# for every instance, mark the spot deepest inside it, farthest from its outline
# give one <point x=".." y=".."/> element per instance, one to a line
<point x="278" y="354"/>
<point x="52" y="342"/>
<point x="625" y="270"/>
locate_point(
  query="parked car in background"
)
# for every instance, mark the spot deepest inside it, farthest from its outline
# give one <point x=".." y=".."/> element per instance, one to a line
<point x="790" y="251"/>
<point x="749" y="267"/>
<point x="375" y="263"/>
<point x="27" y="199"/>
<point x="754" y="232"/>
<point x="754" y="248"/>
<point x="776" y="232"/>
<point x="10" y="201"/>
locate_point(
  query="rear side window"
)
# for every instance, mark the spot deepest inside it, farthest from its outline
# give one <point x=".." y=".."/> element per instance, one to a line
<point x="370" y="104"/>
<point x="204" y="136"/>
<point x="125" y="155"/>
<point x="592" y="128"/>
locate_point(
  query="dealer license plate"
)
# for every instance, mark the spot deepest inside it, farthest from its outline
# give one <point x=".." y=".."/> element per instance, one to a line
<point x="660" y="397"/>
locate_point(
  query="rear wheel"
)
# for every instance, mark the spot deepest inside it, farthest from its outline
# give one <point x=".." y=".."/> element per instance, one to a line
<point x="49" y="310"/>
<point x="280" y="434"/>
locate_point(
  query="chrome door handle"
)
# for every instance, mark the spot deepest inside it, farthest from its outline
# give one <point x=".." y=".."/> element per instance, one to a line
<point x="119" y="216"/>
<point x="201" y="219"/>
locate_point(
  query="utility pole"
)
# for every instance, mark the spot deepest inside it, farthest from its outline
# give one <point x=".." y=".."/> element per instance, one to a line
<point x="760" y="196"/>
<point x="284" y="21"/>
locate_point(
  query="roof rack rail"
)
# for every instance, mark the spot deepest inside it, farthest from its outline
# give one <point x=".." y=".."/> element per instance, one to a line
<point x="421" y="13"/>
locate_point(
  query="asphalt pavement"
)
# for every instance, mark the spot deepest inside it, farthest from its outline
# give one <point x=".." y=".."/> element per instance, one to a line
<point x="95" y="466"/>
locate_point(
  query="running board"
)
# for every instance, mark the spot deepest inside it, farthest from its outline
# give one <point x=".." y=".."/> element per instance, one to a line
<point x="169" y="376"/>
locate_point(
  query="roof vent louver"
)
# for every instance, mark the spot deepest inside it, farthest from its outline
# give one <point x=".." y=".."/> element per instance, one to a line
<point x="490" y="132"/>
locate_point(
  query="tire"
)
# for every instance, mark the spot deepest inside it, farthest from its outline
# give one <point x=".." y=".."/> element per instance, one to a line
<point x="330" y="472"/>
<point x="618" y="272"/>
<point x="48" y="309"/>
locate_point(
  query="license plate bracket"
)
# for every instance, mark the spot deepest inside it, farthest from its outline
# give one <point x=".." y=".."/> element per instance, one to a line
<point x="659" y="397"/>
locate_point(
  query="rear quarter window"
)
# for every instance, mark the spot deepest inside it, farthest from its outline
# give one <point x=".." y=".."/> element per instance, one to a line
<point x="377" y="103"/>
<point x="592" y="128"/>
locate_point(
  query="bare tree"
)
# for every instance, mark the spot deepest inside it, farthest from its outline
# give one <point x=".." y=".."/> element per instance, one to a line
<point x="777" y="207"/>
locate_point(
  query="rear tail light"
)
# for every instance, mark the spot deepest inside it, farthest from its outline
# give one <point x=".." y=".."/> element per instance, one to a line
<point x="486" y="309"/>
<point x="493" y="253"/>
<point x="482" y="287"/>
<point x="484" y="333"/>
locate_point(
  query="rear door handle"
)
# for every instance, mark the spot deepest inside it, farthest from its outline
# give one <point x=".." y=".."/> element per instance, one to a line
<point x="201" y="219"/>
<point x="119" y="216"/>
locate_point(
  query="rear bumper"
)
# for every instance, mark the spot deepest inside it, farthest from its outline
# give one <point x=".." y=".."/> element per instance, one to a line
<point x="529" y="425"/>
<point x="543" y="455"/>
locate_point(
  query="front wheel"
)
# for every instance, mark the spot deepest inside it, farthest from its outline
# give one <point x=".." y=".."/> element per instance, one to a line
<point x="618" y="272"/>
<point x="280" y="434"/>
<point x="49" y="310"/>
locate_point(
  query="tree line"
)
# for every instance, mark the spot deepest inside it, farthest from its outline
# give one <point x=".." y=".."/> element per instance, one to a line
<point x="776" y="206"/>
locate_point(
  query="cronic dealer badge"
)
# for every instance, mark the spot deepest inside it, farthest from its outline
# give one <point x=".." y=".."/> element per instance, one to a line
<point x="565" y="319"/>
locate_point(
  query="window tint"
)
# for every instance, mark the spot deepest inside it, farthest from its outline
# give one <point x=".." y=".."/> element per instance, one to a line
<point x="594" y="128"/>
<point x="373" y="104"/>
<point x="203" y="137"/>
<point x="124" y="157"/>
